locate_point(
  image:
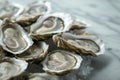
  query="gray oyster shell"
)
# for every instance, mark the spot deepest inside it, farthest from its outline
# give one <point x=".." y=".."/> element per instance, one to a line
<point x="32" y="12"/>
<point x="9" y="10"/>
<point x="60" y="62"/>
<point x="83" y="43"/>
<point x="11" y="67"/>
<point x="50" y="24"/>
<point x="37" y="51"/>
<point x="13" y="38"/>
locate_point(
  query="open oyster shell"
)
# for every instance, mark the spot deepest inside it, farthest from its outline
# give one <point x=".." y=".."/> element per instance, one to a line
<point x="36" y="52"/>
<point x="51" y="24"/>
<point x="42" y="76"/>
<point x="9" y="10"/>
<point x="83" y="43"/>
<point x="33" y="11"/>
<point x="11" y="67"/>
<point x="60" y="62"/>
<point x="13" y="38"/>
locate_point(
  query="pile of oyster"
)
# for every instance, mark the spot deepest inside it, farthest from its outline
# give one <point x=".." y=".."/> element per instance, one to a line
<point x="34" y="34"/>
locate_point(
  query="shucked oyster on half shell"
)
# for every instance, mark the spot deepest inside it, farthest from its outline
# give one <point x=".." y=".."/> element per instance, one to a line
<point x="42" y="76"/>
<point x="60" y="62"/>
<point x="9" y="10"/>
<point x="83" y="43"/>
<point x="33" y="11"/>
<point x="50" y="24"/>
<point x="13" y="38"/>
<point x="11" y="67"/>
<point x="36" y="52"/>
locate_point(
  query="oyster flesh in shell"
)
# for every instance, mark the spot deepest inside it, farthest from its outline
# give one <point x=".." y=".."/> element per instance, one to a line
<point x="11" y="67"/>
<point x="36" y="52"/>
<point x="83" y="43"/>
<point x="9" y="10"/>
<point x="50" y="24"/>
<point x="42" y="76"/>
<point x="33" y="11"/>
<point x="13" y="38"/>
<point x="61" y="62"/>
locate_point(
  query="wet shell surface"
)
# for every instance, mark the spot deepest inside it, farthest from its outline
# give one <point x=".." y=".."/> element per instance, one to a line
<point x="84" y="43"/>
<point x="37" y="51"/>
<point x="11" y="67"/>
<point x="51" y="24"/>
<point x="13" y="38"/>
<point x="32" y="12"/>
<point x="61" y="62"/>
<point x="42" y="76"/>
<point x="9" y="10"/>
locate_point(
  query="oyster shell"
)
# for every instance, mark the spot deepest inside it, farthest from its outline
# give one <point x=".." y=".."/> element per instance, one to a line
<point x="50" y="24"/>
<point x="60" y="62"/>
<point x="78" y="24"/>
<point x="33" y="11"/>
<point x="11" y="67"/>
<point x="36" y="52"/>
<point x="13" y="38"/>
<point x="83" y="43"/>
<point x="42" y="76"/>
<point x="9" y="10"/>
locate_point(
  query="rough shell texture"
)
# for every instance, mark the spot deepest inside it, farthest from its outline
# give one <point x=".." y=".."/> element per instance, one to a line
<point x="51" y="24"/>
<point x="60" y="62"/>
<point x="83" y="43"/>
<point x="32" y="12"/>
<point x="36" y="52"/>
<point x="9" y="10"/>
<point x="11" y="67"/>
<point x="42" y="76"/>
<point x="13" y="38"/>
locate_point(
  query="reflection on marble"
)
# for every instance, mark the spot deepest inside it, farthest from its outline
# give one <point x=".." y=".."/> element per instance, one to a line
<point x="103" y="18"/>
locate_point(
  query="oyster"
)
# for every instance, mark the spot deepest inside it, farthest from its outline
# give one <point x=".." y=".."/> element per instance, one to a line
<point x="83" y="43"/>
<point x="78" y="24"/>
<point x="36" y="52"/>
<point x="9" y="10"/>
<point x="13" y="38"/>
<point x="42" y="76"/>
<point x="11" y="67"/>
<point x="33" y="11"/>
<point x="60" y="62"/>
<point x="50" y="24"/>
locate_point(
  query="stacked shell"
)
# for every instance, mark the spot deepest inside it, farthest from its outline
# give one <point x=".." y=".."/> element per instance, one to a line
<point x="25" y="34"/>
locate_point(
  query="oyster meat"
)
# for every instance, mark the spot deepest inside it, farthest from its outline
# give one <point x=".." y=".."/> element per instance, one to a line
<point x="9" y="10"/>
<point x="13" y="38"/>
<point x="60" y="62"/>
<point x="36" y="52"/>
<point x="11" y="67"/>
<point x="42" y="76"/>
<point x="33" y="11"/>
<point x="50" y="24"/>
<point x="83" y="43"/>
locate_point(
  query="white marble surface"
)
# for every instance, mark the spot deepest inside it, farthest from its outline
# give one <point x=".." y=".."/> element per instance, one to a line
<point x="103" y="18"/>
